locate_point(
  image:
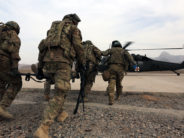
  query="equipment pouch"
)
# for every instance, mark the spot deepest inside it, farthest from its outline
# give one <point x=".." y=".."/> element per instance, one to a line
<point x="106" y="75"/>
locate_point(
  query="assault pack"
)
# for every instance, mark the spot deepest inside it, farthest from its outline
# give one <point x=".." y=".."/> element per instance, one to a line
<point x="117" y="56"/>
<point x="54" y="34"/>
<point x="89" y="52"/>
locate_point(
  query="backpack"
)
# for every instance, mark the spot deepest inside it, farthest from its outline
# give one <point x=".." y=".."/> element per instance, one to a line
<point x="2" y="27"/>
<point x="89" y="53"/>
<point x="117" y="56"/>
<point x="106" y="75"/>
<point x="54" y="34"/>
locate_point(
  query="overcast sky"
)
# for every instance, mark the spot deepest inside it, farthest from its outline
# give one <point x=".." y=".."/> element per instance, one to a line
<point x="149" y="23"/>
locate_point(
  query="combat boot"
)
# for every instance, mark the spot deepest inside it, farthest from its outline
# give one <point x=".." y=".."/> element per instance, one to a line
<point x="42" y="132"/>
<point x="110" y="103"/>
<point x="5" y="114"/>
<point x="63" y="115"/>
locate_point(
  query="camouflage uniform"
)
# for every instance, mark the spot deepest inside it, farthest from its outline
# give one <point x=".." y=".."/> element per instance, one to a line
<point x="118" y="57"/>
<point x="10" y="83"/>
<point x="47" y="84"/>
<point x="93" y="55"/>
<point x="56" y="62"/>
<point x="47" y="88"/>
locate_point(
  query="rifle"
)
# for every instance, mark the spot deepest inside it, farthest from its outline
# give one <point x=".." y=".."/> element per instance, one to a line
<point x="81" y="92"/>
<point x="74" y="75"/>
<point x="28" y="76"/>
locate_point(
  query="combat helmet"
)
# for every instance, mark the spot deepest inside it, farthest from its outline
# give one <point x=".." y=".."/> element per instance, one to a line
<point x="14" y="26"/>
<point x="88" y="42"/>
<point x="74" y="17"/>
<point x="116" y="43"/>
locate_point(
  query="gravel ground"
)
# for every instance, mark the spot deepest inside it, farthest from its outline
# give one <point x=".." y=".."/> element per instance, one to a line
<point x="97" y="121"/>
<point x="165" y="102"/>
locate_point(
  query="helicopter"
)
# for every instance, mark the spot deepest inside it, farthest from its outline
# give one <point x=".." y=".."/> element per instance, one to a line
<point x="146" y="64"/>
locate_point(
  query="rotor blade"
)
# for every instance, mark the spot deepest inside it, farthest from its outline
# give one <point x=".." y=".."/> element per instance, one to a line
<point x="156" y="49"/>
<point x="127" y="44"/>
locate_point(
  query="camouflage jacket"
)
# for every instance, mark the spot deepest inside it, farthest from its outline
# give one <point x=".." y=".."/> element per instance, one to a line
<point x="9" y="46"/>
<point x="118" y="56"/>
<point x="69" y="49"/>
<point x="92" y="53"/>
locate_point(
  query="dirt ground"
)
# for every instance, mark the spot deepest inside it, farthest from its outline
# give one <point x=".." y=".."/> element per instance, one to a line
<point x="134" y="115"/>
<point x="151" y="106"/>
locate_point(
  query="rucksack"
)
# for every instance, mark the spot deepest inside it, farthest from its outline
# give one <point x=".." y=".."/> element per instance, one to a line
<point x="117" y="56"/>
<point x="2" y="27"/>
<point x="89" y="53"/>
<point x="54" y="34"/>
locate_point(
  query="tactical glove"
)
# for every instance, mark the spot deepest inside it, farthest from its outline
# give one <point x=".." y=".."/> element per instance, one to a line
<point x="39" y="74"/>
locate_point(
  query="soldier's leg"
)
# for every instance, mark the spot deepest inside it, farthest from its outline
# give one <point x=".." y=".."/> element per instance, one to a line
<point x="2" y="89"/>
<point x="88" y="87"/>
<point x="55" y="105"/>
<point x="50" y="113"/>
<point x="62" y="86"/>
<point x="87" y="90"/>
<point x="119" y="86"/>
<point x="89" y="83"/>
<point x="10" y="94"/>
<point x="8" y="98"/>
<point x="47" y="86"/>
<point x="5" y="67"/>
<point x="111" y="90"/>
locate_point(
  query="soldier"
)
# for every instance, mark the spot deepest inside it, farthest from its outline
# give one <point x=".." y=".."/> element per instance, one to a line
<point x="10" y="80"/>
<point x="117" y="60"/>
<point x="93" y="56"/>
<point x="57" y="59"/>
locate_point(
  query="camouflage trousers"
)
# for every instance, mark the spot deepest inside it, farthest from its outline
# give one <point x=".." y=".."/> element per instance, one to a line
<point x="3" y="86"/>
<point x="116" y="77"/>
<point x="60" y="74"/>
<point x="47" y="86"/>
<point x="9" y="85"/>
<point x="90" y="79"/>
<point x="8" y="94"/>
